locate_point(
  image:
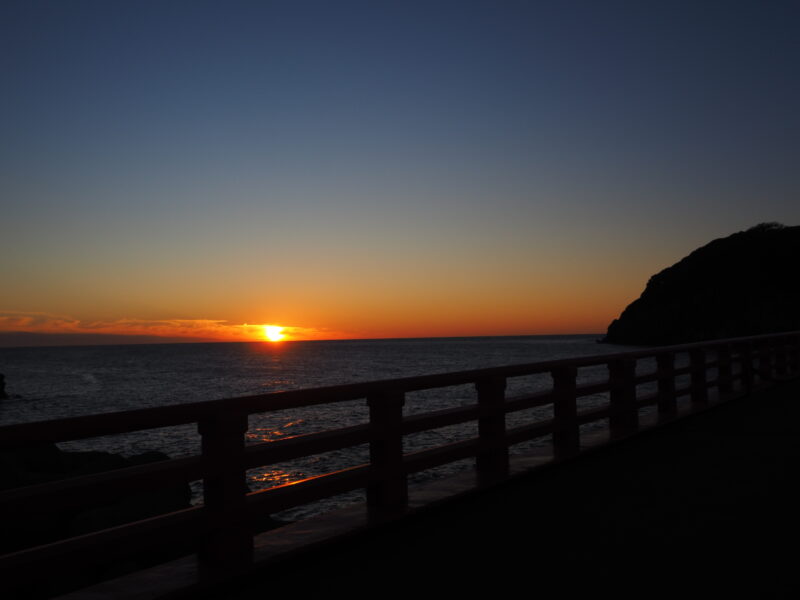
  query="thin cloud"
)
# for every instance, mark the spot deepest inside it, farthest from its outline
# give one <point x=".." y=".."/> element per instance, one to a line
<point x="217" y="329"/>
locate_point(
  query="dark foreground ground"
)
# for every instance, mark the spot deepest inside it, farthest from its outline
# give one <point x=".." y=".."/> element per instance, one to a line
<point x="705" y="508"/>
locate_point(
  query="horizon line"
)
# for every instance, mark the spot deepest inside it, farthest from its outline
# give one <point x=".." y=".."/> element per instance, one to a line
<point x="112" y="339"/>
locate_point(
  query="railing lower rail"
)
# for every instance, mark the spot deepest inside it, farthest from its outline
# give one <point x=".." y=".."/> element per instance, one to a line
<point x="221" y="531"/>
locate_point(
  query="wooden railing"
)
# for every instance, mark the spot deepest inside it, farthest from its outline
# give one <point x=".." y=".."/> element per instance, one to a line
<point x="220" y="531"/>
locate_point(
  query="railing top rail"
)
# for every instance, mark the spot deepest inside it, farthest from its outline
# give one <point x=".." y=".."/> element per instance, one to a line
<point x="73" y="428"/>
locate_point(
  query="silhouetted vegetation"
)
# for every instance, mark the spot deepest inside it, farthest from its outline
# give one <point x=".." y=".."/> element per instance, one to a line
<point x="768" y="226"/>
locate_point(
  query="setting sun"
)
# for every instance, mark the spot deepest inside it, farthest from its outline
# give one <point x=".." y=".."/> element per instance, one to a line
<point x="273" y="333"/>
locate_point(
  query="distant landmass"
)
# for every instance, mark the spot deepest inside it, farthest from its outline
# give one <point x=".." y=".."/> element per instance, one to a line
<point x="19" y="339"/>
<point x="744" y="284"/>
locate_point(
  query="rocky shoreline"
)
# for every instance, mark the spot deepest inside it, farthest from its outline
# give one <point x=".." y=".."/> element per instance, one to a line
<point x="41" y="463"/>
<point x="34" y="464"/>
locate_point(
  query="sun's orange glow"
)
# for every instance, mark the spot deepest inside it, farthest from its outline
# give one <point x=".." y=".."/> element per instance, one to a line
<point x="273" y="333"/>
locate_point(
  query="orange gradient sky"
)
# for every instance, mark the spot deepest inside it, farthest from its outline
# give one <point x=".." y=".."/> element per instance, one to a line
<point x="496" y="293"/>
<point x="378" y="170"/>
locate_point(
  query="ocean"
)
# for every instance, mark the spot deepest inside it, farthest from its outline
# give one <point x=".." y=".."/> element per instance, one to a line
<point x="54" y="382"/>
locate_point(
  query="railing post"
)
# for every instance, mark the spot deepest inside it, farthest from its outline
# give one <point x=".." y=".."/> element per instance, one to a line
<point x="781" y="357"/>
<point x="492" y="460"/>
<point x="566" y="433"/>
<point x="697" y="364"/>
<point x="229" y="545"/>
<point x="764" y="361"/>
<point x="624" y="417"/>
<point x="746" y="366"/>
<point x="667" y="406"/>
<point x="387" y="492"/>
<point x="724" y="371"/>
<point x="794" y="354"/>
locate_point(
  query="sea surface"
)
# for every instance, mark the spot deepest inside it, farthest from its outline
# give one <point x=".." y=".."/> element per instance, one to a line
<point x="49" y="383"/>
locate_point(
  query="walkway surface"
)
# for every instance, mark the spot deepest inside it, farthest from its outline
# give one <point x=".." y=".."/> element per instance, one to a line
<point x="703" y="508"/>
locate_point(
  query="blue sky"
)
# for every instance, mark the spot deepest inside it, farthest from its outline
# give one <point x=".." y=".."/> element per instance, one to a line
<point x="364" y="167"/>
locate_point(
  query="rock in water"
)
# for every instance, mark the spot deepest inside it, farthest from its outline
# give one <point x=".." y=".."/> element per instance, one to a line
<point x="744" y="284"/>
<point x="43" y="462"/>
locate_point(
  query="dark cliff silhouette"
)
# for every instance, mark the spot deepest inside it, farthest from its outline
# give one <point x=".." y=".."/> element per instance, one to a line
<point x="744" y="284"/>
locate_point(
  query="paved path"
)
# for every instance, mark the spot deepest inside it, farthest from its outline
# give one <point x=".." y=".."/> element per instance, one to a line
<point x="704" y="508"/>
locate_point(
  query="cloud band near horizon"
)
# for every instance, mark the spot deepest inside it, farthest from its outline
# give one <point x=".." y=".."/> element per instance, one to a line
<point x="214" y="329"/>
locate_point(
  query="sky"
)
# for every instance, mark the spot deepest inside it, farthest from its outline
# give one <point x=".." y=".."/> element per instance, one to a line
<point x="379" y="169"/>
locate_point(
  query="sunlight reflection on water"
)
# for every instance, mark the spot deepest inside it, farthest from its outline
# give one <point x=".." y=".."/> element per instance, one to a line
<point x="46" y="383"/>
